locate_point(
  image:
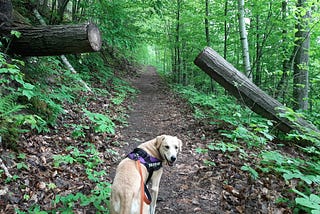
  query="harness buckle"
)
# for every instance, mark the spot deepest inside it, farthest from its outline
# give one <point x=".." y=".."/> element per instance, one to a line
<point x="135" y="156"/>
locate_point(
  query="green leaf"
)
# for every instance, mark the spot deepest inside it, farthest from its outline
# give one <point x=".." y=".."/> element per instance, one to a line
<point x="29" y="94"/>
<point x="15" y="33"/>
<point x="252" y="171"/>
<point x="307" y="202"/>
<point x="315" y="198"/>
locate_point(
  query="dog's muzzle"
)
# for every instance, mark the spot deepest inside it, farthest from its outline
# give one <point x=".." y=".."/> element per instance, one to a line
<point x="171" y="161"/>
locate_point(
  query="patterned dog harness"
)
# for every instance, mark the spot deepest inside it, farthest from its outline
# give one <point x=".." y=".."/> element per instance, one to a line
<point x="151" y="163"/>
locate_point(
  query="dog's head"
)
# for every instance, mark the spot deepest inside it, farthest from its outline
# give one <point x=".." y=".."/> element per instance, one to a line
<point x="169" y="147"/>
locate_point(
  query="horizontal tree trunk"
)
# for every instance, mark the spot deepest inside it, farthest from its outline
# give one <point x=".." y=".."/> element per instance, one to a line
<point x="247" y="92"/>
<point x="54" y="39"/>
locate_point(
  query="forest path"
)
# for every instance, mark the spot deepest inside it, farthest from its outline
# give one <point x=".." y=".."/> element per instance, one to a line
<point x="156" y="111"/>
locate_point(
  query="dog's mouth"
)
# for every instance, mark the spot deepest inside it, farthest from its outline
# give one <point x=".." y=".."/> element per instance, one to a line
<point x="170" y="163"/>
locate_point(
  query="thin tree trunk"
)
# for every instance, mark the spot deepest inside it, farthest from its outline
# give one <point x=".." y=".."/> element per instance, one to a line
<point x="301" y="59"/>
<point x="261" y="38"/>
<point x="257" y="76"/>
<point x="173" y="61"/>
<point x="207" y="31"/>
<point x="5" y="11"/>
<point x="244" y="40"/>
<point x="177" y="44"/>
<point x="282" y="85"/>
<point x="52" y="16"/>
<point x="206" y="23"/>
<point x="62" y="4"/>
<point x="76" y="10"/>
<point x="226" y="30"/>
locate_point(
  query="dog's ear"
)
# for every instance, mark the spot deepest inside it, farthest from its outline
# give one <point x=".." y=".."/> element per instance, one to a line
<point x="159" y="141"/>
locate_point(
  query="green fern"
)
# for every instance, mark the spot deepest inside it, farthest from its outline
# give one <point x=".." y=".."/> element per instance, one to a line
<point x="9" y="131"/>
<point x="9" y="106"/>
<point x="102" y="123"/>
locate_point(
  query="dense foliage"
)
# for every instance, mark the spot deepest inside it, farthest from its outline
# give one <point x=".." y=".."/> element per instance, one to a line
<point x="170" y="34"/>
<point x="272" y="35"/>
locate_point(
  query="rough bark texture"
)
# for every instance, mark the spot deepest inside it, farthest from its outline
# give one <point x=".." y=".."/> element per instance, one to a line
<point x="244" y="39"/>
<point x="301" y="59"/>
<point x="247" y="92"/>
<point x="55" y="40"/>
<point x="5" y="13"/>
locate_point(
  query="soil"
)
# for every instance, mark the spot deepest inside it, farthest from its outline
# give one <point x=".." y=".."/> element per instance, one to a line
<point x="200" y="182"/>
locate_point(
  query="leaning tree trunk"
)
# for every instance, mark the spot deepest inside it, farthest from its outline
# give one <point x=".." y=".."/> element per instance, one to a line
<point x="54" y="39"/>
<point x="248" y="93"/>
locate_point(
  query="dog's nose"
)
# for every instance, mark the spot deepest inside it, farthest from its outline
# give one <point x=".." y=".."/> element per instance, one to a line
<point x="173" y="159"/>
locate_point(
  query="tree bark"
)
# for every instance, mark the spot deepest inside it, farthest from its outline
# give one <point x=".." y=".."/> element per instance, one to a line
<point x="258" y="77"/>
<point x="177" y="68"/>
<point x="247" y="92"/>
<point x="226" y="30"/>
<point x="301" y="59"/>
<point x="283" y="83"/>
<point x="206" y="23"/>
<point x="54" y="40"/>
<point x="244" y="39"/>
<point x="207" y="32"/>
<point x="62" y="4"/>
<point x="5" y="13"/>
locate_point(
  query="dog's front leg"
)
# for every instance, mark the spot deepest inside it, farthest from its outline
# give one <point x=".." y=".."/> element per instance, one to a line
<point x="155" y="180"/>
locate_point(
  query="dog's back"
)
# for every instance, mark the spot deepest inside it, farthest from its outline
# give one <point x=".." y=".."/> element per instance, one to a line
<point x="125" y="191"/>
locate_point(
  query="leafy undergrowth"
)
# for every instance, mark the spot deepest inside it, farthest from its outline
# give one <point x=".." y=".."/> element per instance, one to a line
<point x="247" y="143"/>
<point x="62" y="135"/>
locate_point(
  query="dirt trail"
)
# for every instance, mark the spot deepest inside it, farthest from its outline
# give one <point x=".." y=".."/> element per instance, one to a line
<point x="191" y="186"/>
<point x="157" y="111"/>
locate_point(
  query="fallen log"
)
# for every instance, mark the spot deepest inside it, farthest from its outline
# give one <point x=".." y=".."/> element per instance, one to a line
<point x="238" y="85"/>
<point x="54" y="39"/>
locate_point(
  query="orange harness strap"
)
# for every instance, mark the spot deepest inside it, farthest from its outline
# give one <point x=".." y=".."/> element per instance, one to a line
<point x="143" y="196"/>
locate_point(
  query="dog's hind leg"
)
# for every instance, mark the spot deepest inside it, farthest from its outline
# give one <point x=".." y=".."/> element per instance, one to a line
<point x="130" y="204"/>
<point x="155" y="180"/>
<point x="124" y="204"/>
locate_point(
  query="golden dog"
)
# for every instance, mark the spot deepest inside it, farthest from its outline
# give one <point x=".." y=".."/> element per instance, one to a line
<point x="126" y="192"/>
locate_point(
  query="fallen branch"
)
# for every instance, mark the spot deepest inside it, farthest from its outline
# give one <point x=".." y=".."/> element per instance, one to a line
<point x="70" y="67"/>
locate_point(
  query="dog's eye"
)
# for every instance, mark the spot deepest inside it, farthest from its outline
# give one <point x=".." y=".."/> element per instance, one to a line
<point x="176" y="147"/>
<point x="167" y="147"/>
